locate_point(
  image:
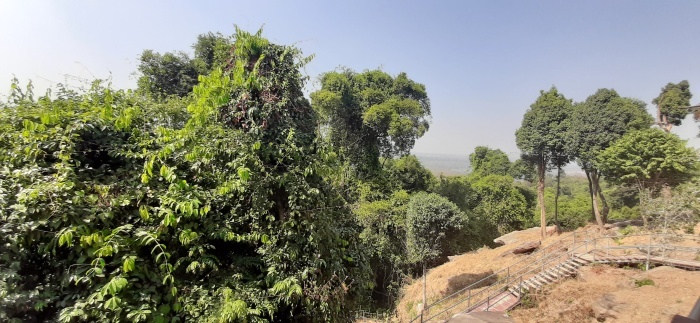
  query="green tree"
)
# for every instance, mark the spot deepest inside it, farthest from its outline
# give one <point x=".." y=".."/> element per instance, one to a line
<point x="371" y="114"/>
<point x="166" y="74"/>
<point x="672" y="104"/>
<point x="407" y="173"/>
<point x="540" y="138"/>
<point x="523" y="169"/>
<point x="486" y="161"/>
<point x="384" y="234"/>
<point x="594" y="125"/>
<point x="649" y="160"/>
<point x="176" y="73"/>
<point x="501" y="202"/>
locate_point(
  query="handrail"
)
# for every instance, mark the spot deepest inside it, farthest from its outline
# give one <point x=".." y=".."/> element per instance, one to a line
<point x="542" y="251"/>
<point x="557" y="252"/>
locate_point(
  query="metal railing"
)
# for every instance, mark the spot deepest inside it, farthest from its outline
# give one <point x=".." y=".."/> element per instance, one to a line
<point x="476" y="293"/>
<point x="554" y="256"/>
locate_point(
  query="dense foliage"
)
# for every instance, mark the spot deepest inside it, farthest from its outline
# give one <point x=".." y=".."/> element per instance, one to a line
<point x="216" y="192"/>
<point x="433" y="224"/>
<point x="649" y="160"/>
<point x="594" y="125"/>
<point x="113" y="211"/>
<point x="672" y="104"/>
<point x="371" y="114"/>
<point x="175" y="73"/>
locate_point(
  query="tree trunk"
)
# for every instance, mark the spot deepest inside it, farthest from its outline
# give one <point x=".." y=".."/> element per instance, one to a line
<point x="606" y="209"/>
<point x="540" y="196"/>
<point x="556" y="199"/>
<point x="590" y="190"/>
<point x="642" y="207"/>
<point x="594" y="199"/>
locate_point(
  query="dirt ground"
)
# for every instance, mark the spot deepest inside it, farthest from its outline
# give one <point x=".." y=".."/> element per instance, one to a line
<point x="462" y="271"/>
<point x="574" y="299"/>
<point x="603" y="293"/>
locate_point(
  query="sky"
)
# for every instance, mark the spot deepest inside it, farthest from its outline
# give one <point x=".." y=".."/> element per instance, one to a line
<point x="483" y="62"/>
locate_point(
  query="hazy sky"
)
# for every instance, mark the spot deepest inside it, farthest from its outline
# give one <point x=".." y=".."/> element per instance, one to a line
<point x="483" y="62"/>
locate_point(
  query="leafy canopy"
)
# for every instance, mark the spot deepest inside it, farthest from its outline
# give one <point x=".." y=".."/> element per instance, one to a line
<point x="432" y="223"/>
<point x="371" y="114"/>
<point x="673" y="102"/>
<point x="540" y="135"/>
<point x="116" y="208"/>
<point x="603" y="118"/>
<point x="648" y="159"/>
<point x="486" y="161"/>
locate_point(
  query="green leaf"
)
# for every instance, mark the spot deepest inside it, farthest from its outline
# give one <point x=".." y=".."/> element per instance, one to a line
<point x="243" y="173"/>
<point x="129" y="264"/>
<point x="113" y="303"/>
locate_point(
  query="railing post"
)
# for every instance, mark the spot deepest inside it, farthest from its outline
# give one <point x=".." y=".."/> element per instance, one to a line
<point x="469" y="299"/>
<point x="520" y="287"/>
<point x="649" y="252"/>
<point x="488" y="302"/>
<point x="544" y="255"/>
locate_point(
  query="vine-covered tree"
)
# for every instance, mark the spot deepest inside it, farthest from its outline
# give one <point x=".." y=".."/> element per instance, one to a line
<point x="594" y="125"/>
<point x="113" y="210"/>
<point x="540" y="138"/>
<point x="672" y="104"/>
<point x="649" y="160"/>
<point x="371" y="114"/>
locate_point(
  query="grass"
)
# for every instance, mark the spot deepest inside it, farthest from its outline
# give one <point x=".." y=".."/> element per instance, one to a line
<point x="644" y="282"/>
<point x="527" y="300"/>
<point x="627" y="230"/>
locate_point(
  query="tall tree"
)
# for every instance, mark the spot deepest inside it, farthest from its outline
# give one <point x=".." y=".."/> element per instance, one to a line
<point x="486" y="161"/>
<point x="672" y="104"/>
<point x="371" y="114"/>
<point x="649" y="159"/>
<point x="166" y="74"/>
<point x="540" y="138"/>
<point x="594" y="125"/>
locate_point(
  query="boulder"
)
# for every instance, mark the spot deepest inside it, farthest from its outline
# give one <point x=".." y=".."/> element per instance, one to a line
<point x="514" y="236"/>
<point x="604" y="308"/>
<point x="526" y="247"/>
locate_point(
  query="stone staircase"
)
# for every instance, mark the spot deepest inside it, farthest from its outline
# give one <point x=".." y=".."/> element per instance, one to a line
<point x="509" y="298"/>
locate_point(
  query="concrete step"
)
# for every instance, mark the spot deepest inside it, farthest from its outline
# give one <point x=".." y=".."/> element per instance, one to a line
<point x="531" y="285"/>
<point x="580" y="262"/>
<point x="553" y="276"/>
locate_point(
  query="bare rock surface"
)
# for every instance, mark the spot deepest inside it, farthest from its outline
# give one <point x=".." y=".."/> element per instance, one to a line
<point x="527" y="247"/>
<point x="516" y="236"/>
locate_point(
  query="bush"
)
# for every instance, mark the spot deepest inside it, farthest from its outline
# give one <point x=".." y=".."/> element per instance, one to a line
<point x="644" y="282"/>
<point x="433" y="226"/>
